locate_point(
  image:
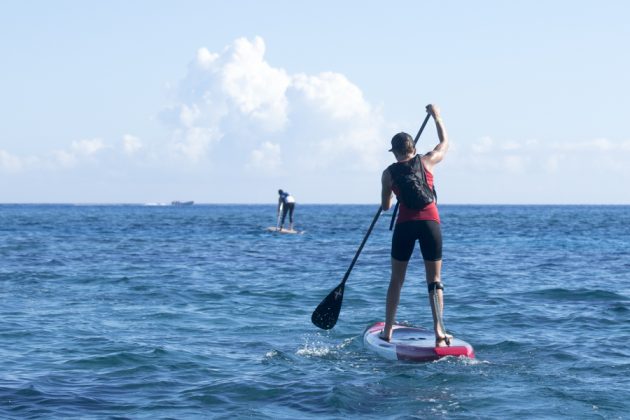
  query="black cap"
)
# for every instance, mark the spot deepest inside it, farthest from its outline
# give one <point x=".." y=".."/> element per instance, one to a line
<point x="402" y="141"/>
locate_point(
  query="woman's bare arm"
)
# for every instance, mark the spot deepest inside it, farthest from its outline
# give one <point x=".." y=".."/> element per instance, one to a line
<point x="436" y="155"/>
<point x="386" y="190"/>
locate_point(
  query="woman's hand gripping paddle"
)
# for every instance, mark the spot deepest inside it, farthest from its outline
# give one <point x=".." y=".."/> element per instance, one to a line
<point x="327" y="312"/>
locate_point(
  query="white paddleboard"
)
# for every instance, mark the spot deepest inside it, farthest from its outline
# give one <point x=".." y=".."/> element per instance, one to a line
<point x="413" y="344"/>
<point x="283" y="230"/>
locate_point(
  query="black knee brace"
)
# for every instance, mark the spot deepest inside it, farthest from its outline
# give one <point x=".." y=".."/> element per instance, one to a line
<point x="435" y="285"/>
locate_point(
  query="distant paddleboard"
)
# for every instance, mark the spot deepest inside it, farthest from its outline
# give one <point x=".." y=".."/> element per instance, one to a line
<point x="290" y="231"/>
<point x="412" y="344"/>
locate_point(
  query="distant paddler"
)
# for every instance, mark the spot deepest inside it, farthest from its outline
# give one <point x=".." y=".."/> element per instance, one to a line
<point x="286" y="204"/>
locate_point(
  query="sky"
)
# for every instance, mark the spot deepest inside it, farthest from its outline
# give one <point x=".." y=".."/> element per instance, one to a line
<point x="228" y="101"/>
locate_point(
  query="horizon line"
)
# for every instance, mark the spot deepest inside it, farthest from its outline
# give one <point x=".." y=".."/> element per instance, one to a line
<point x="168" y="204"/>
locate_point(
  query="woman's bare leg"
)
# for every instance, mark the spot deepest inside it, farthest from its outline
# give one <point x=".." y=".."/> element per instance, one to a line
<point x="399" y="269"/>
<point x="433" y="274"/>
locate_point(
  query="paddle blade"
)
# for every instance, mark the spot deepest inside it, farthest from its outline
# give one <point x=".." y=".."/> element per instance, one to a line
<point x="327" y="312"/>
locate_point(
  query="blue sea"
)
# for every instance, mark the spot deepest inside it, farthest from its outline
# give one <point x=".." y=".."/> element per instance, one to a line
<point x="187" y="312"/>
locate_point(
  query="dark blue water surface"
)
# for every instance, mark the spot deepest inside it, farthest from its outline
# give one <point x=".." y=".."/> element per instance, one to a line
<point x="199" y="312"/>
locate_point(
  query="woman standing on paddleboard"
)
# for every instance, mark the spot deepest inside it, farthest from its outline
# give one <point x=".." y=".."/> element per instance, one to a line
<point x="415" y="222"/>
<point x="286" y="204"/>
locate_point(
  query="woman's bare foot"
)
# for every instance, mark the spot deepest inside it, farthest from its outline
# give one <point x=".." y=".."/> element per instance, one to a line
<point x="384" y="336"/>
<point x="443" y="341"/>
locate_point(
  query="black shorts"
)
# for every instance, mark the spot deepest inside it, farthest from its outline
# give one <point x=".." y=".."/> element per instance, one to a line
<point x="429" y="234"/>
<point x="288" y="208"/>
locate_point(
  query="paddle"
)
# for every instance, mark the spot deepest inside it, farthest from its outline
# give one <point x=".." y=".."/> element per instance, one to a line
<point x="279" y="212"/>
<point x="327" y="312"/>
<point x="415" y="141"/>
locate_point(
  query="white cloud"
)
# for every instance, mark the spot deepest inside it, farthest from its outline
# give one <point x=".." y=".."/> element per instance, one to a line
<point x="65" y="158"/>
<point x="9" y="162"/>
<point x="511" y="146"/>
<point x="591" y="146"/>
<point x="79" y="149"/>
<point x="603" y="144"/>
<point x="237" y="84"/>
<point x="332" y="94"/>
<point x="188" y="115"/>
<point x="205" y="58"/>
<point x="343" y="126"/>
<point x="267" y="157"/>
<point x="552" y="163"/>
<point x="87" y="147"/>
<point x="257" y="89"/>
<point x="515" y="163"/>
<point x="488" y="154"/>
<point x="235" y="108"/>
<point x="131" y="144"/>
<point x="194" y="142"/>
<point x="483" y="145"/>
<point x="236" y="95"/>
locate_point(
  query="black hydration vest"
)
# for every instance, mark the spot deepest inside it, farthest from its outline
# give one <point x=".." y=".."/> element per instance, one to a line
<point x="411" y="180"/>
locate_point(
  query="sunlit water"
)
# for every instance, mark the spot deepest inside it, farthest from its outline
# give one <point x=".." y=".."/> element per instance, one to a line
<point x="199" y="312"/>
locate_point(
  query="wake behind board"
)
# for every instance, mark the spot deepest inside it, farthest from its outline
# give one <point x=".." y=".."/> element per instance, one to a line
<point x="283" y="230"/>
<point x="413" y="344"/>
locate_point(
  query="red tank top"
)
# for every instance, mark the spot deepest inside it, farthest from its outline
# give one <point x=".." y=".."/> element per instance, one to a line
<point x="429" y="212"/>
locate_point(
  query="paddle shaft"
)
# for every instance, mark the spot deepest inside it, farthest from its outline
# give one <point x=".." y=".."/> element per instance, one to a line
<point x="279" y="213"/>
<point x="327" y="312"/>
<point x="365" y="238"/>
<point x="415" y="141"/>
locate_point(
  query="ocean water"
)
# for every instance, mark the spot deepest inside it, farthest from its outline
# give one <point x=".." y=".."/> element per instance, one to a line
<point x="199" y="312"/>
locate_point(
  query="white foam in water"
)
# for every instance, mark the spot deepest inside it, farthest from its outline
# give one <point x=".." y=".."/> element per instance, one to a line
<point x="316" y="351"/>
<point x="271" y="354"/>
